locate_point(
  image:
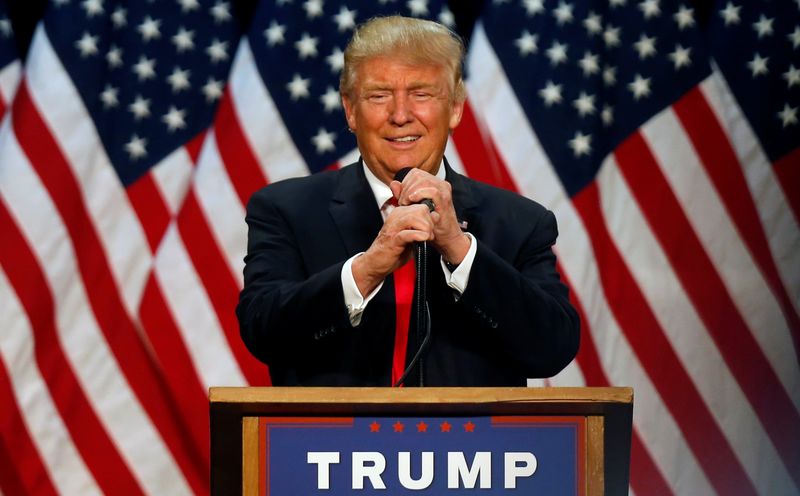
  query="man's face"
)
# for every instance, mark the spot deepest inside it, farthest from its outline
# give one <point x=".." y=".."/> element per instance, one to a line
<point x="401" y="114"/>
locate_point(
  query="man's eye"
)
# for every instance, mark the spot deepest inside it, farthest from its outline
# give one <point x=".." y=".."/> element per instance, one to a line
<point x="421" y="95"/>
<point x="377" y="97"/>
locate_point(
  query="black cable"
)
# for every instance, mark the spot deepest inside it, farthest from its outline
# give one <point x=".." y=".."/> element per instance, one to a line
<point x="423" y="317"/>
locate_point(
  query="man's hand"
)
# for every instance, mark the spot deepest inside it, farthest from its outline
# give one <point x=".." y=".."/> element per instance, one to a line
<point x="448" y="239"/>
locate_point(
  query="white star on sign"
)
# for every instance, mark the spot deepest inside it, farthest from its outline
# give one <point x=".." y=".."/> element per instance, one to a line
<point x="109" y="96"/>
<point x="533" y="7"/>
<point x="730" y="14"/>
<point x="179" y="79"/>
<point x="313" y="8"/>
<point x="136" y="147"/>
<point x="593" y="24"/>
<point x="174" y="119"/>
<point x="145" y="68"/>
<point x="119" y="17"/>
<point x="646" y="47"/>
<point x="557" y="53"/>
<point x="551" y="93"/>
<point x="758" y="65"/>
<point x="792" y="76"/>
<point x="275" y="34"/>
<point x="589" y="64"/>
<point x="221" y="12"/>
<point x="324" y="141"/>
<point x="183" y="40"/>
<point x="212" y="90"/>
<point x="684" y="17"/>
<point x="764" y="26"/>
<point x="87" y="45"/>
<point x="794" y="37"/>
<point x="584" y="104"/>
<point x="526" y="43"/>
<point x="114" y="56"/>
<point x="93" y="7"/>
<point x="418" y="7"/>
<point x="335" y="60"/>
<point x="149" y="29"/>
<point x="650" y="8"/>
<point x="345" y="19"/>
<point x="563" y="13"/>
<point x="611" y="36"/>
<point x="788" y="115"/>
<point x="217" y="50"/>
<point x="680" y="57"/>
<point x="640" y="87"/>
<point x="298" y="87"/>
<point x="140" y="108"/>
<point x="330" y="100"/>
<point x="306" y="46"/>
<point x="581" y="144"/>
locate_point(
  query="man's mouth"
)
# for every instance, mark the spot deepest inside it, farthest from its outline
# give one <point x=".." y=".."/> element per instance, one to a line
<point x="404" y="139"/>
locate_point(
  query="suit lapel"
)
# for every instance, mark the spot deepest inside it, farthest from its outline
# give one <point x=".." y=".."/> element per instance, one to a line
<point x="354" y="211"/>
<point x="464" y="199"/>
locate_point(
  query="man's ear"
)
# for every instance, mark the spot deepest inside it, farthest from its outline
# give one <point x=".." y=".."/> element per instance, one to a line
<point x="349" y="112"/>
<point x="456" y="111"/>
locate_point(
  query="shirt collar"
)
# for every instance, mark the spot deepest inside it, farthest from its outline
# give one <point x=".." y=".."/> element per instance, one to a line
<point x="381" y="191"/>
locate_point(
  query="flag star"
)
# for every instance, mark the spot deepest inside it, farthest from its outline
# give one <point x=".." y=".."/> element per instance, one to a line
<point x="189" y="5"/>
<point x="792" y="76"/>
<point x="331" y="100"/>
<point x="684" y="17"/>
<point x="5" y="27"/>
<point x="551" y="94"/>
<point x="284" y="2"/>
<point x="145" y="68"/>
<point x="589" y="64"/>
<point x="758" y="65"/>
<point x="313" y="8"/>
<point x="581" y="144"/>
<point x="593" y="24"/>
<point x="179" y="79"/>
<point x="607" y="115"/>
<point x="447" y="18"/>
<point x="611" y="36"/>
<point x="275" y="34"/>
<point x="730" y="14"/>
<point x="298" y="87"/>
<point x="617" y="3"/>
<point x="763" y="26"/>
<point x="584" y="104"/>
<point x="136" y="147"/>
<point x="794" y="37"/>
<point x="87" y="45"/>
<point x="109" y="96"/>
<point x="149" y="29"/>
<point x="174" y="119"/>
<point x="650" y="8"/>
<point x="217" y="51"/>
<point x="306" y="46"/>
<point x="680" y="57"/>
<point x="788" y="115"/>
<point x="563" y="13"/>
<point x="418" y="7"/>
<point x="533" y="7"/>
<point x="221" y="12"/>
<point x="610" y="75"/>
<point x="140" y="108"/>
<point x="335" y="60"/>
<point x="646" y="47"/>
<point x="640" y="87"/>
<point x="557" y="53"/>
<point x="92" y="7"/>
<point x="323" y="140"/>
<point x="345" y="19"/>
<point x="526" y="43"/>
<point x="119" y="17"/>
<point x="114" y="56"/>
<point x="212" y="90"/>
<point x="183" y="40"/>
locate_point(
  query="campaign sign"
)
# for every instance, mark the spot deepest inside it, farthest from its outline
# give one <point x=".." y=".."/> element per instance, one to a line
<point x="306" y="456"/>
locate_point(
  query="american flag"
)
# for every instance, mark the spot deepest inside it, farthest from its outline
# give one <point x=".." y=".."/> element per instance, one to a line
<point x="665" y="142"/>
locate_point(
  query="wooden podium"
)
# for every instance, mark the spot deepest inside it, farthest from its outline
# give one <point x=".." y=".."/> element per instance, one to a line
<point x="238" y="415"/>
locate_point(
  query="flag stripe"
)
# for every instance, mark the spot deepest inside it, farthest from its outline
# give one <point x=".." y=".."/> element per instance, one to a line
<point x="104" y="297"/>
<point x="483" y="163"/>
<point x="712" y="300"/>
<point x="151" y="209"/>
<point x="788" y="172"/>
<point x="711" y="144"/>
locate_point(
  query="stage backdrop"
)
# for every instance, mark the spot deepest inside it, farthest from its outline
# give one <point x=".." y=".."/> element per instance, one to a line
<point x="663" y="135"/>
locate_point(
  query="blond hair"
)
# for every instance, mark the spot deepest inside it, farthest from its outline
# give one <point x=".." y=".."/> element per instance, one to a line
<point x="417" y="40"/>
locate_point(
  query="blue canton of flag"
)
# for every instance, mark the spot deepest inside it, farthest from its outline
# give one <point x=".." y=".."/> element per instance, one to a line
<point x="8" y="51"/>
<point x="150" y="74"/>
<point x="299" y="51"/>
<point x="589" y="73"/>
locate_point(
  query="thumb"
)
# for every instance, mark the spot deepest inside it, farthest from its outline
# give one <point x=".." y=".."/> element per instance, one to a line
<point x="397" y="188"/>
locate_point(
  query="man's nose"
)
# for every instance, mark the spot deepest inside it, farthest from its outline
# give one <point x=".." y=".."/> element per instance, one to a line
<point x="400" y="112"/>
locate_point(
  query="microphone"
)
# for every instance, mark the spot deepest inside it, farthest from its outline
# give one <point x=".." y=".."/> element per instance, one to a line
<point x="401" y="174"/>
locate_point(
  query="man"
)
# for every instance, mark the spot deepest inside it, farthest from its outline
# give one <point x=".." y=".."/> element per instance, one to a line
<point x="325" y="251"/>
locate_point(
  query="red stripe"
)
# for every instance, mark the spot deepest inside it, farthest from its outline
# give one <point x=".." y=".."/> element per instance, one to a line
<point x="219" y="283"/>
<point x="646" y="479"/>
<point x="717" y="156"/>
<point x="150" y="207"/>
<point x="120" y="332"/>
<point x="655" y="352"/>
<point x="711" y="299"/>
<point x="234" y="150"/>
<point x="478" y="153"/>
<point x="787" y="168"/>
<point x="22" y="470"/>
<point x="195" y="145"/>
<point x="86" y="430"/>
<point x="403" y="296"/>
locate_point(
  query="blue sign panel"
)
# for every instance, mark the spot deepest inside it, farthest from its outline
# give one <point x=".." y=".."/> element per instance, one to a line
<point x="306" y="456"/>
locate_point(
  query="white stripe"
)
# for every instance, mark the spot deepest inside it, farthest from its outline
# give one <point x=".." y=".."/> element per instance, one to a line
<point x="780" y="225"/>
<point x="9" y="80"/>
<point x="173" y="176"/>
<point x="194" y="315"/>
<point x="261" y="122"/>
<point x="221" y="208"/>
<point x="494" y="100"/>
<point x="718" y="235"/>
<point x="120" y="233"/>
<point x="350" y="157"/>
<point x="48" y="432"/>
<point x="453" y="157"/>
<point x="85" y="346"/>
<point x="689" y="338"/>
<point x="571" y="376"/>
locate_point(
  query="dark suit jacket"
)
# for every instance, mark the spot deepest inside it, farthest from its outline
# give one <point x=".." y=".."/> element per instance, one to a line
<point x="513" y="321"/>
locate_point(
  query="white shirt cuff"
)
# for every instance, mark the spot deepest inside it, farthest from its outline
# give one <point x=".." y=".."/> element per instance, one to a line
<point x="459" y="278"/>
<point x="355" y="303"/>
